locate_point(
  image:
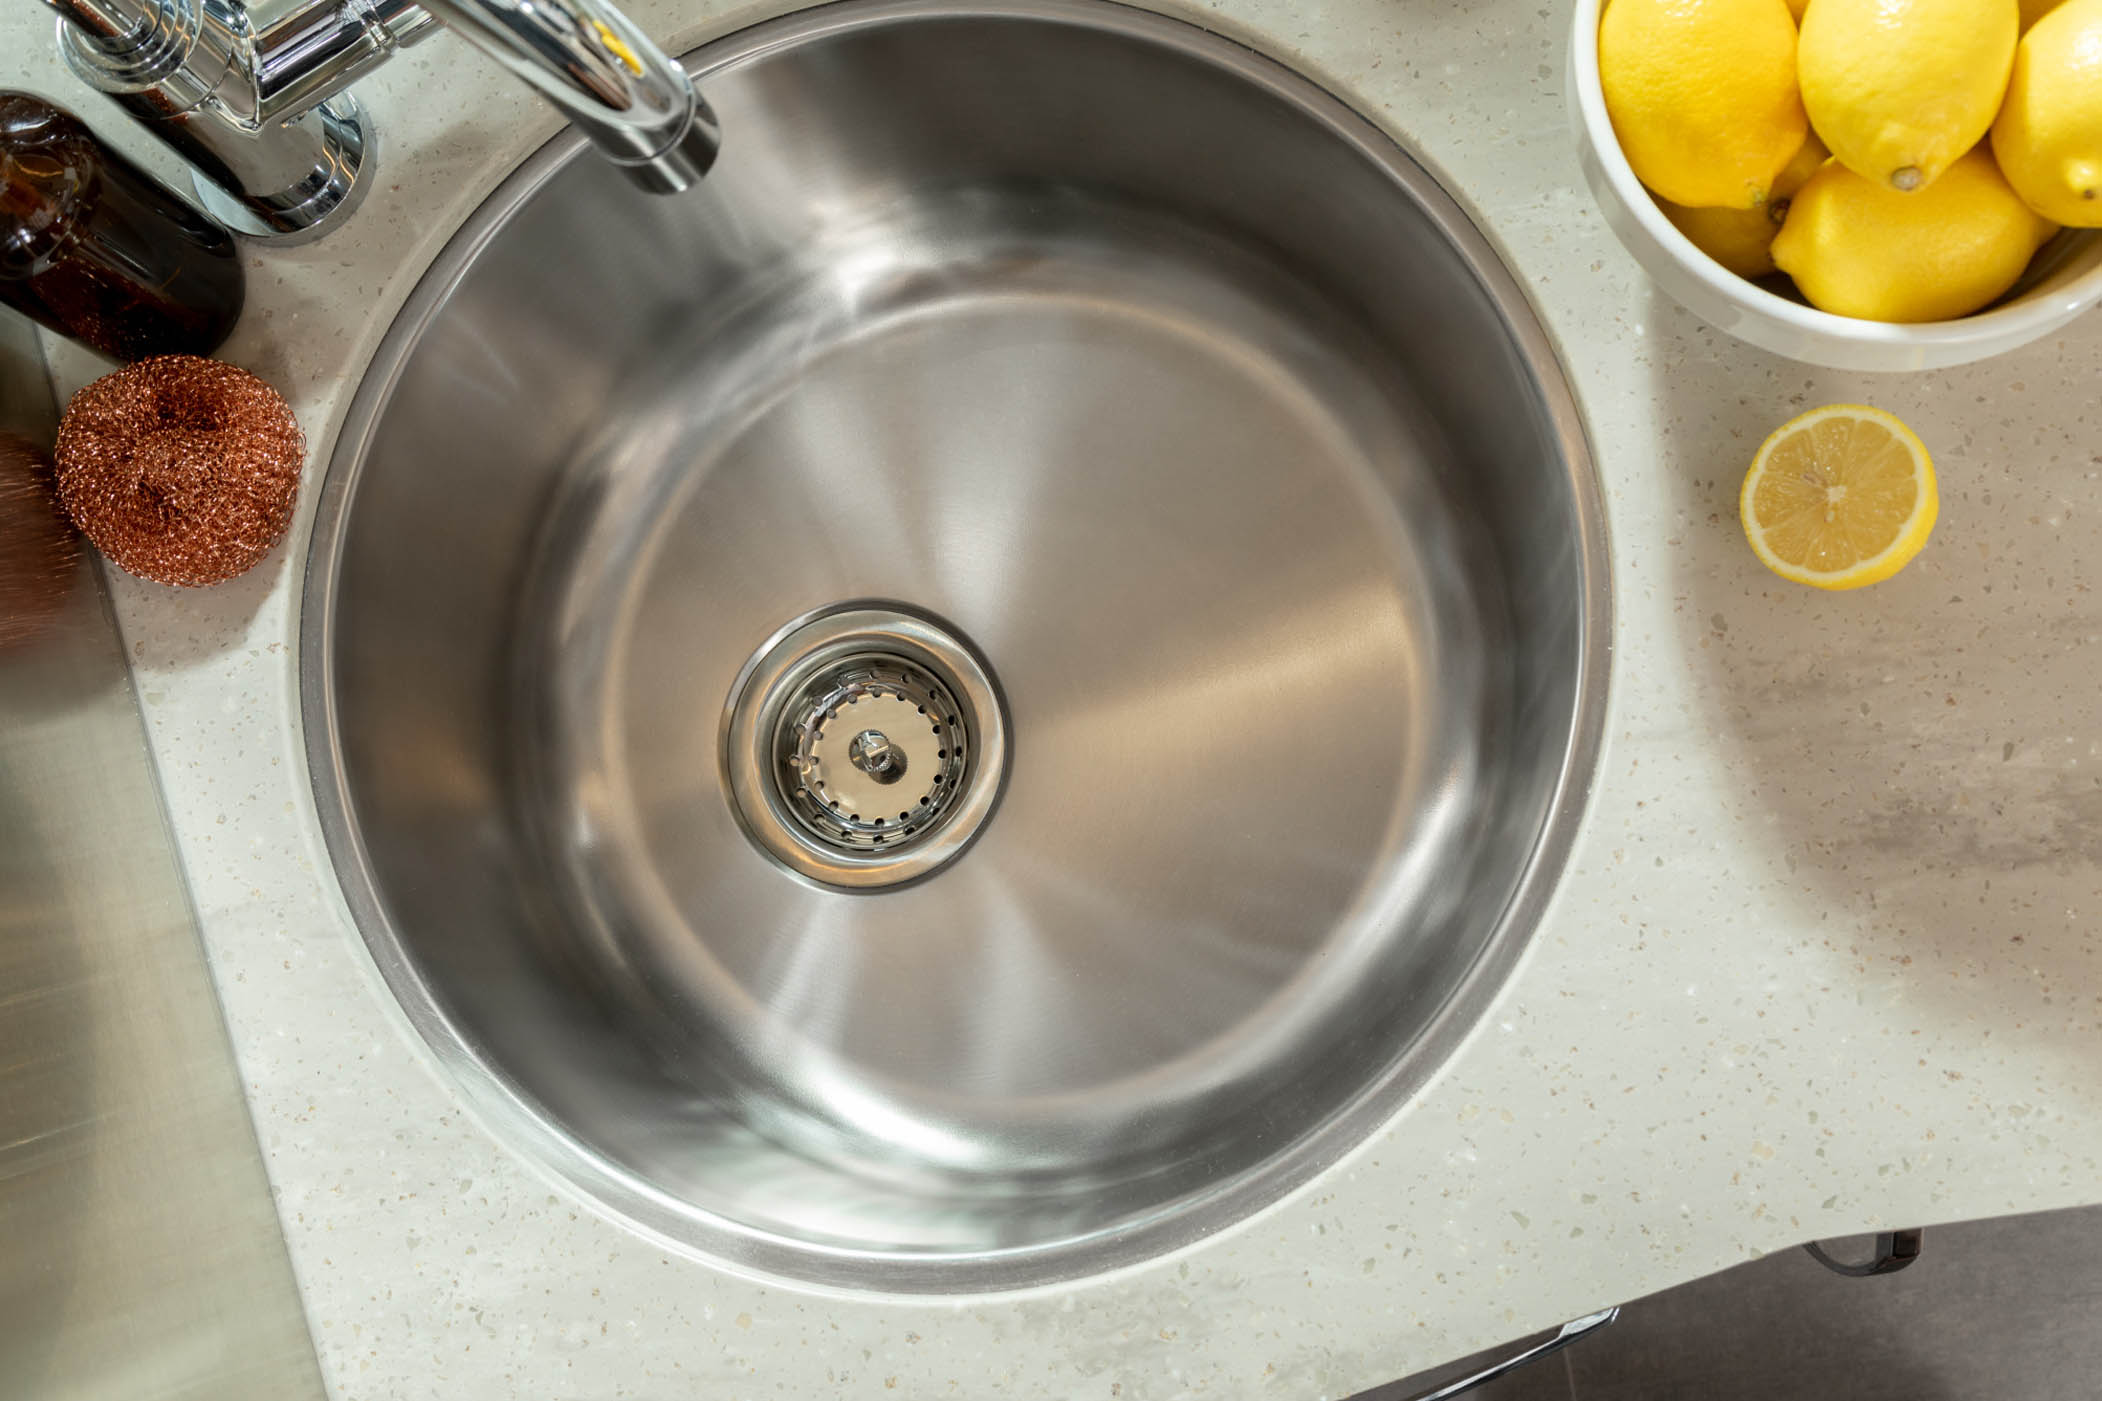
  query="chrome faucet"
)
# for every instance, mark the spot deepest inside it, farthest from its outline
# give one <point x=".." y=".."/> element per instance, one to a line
<point x="282" y="151"/>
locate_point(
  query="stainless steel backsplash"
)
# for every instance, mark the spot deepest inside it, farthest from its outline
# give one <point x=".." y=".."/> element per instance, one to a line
<point x="140" y="1253"/>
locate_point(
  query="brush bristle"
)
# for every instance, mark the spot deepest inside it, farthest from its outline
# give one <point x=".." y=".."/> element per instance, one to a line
<point x="39" y="548"/>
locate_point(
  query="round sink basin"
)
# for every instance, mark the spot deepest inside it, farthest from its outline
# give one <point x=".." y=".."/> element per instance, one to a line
<point x="984" y="695"/>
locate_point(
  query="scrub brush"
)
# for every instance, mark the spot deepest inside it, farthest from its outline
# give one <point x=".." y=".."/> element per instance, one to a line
<point x="39" y="549"/>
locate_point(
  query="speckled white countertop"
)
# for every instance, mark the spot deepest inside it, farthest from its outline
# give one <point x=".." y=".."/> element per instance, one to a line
<point x="1826" y="957"/>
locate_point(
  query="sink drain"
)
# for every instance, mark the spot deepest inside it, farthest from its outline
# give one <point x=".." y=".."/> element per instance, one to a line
<point x="875" y="753"/>
<point x="864" y="746"/>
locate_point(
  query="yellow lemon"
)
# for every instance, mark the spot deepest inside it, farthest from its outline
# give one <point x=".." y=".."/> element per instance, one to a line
<point x="1742" y="239"/>
<point x="2032" y="11"/>
<point x="1806" y="162"/>
<point x="1857" y="248"/>
<point x="1839" y="497"/>
<point x="2049" y="135"/>
<point x="1702" y="95"/>
<point x="1900" y="88"/>
<point x="1796" y="8"/>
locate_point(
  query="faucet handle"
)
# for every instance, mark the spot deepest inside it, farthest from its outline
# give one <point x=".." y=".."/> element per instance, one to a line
<point x="311" y="54"/>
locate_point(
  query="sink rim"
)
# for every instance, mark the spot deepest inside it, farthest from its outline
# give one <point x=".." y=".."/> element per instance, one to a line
<point x="510" y="1116"/>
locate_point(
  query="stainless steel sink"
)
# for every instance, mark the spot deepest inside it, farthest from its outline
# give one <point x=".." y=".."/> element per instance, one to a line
<point x="986" y="694"/>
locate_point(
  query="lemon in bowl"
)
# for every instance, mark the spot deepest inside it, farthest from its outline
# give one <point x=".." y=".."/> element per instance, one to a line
<point x="2063" y="280"/>
<point x="1865" y="249"/>
<point x="1742" y="240"/>
<point x="1703" y="96"/>
<point x="1902" y="89"/>
<point x="2048" y="137"/>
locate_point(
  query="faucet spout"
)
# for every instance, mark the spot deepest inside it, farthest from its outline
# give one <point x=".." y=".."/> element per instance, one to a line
<point x="637" y="105"/>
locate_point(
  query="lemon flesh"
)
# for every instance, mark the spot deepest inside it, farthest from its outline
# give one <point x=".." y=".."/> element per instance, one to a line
<point x="1899" y="89"/>
<point x="1741" y="240"/>
<point x="2048" y="138"/>
<point x="1702" y="94"/>
<point x="1839" y="497"/>
<point x="1858" y="248"/>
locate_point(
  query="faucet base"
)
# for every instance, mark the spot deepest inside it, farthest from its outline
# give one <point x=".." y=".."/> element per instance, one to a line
<point x="343" y="148"/>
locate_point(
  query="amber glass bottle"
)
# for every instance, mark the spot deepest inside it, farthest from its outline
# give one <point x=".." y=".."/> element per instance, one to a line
<point x="96" y="249"/>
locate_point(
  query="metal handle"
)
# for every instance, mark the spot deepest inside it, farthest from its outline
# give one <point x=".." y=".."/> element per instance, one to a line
<point x="1894" y="1251"/>
<point x="1575" y="1330"/>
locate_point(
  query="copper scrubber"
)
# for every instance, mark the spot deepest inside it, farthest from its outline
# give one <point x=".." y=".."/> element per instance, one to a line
<point x="180" y="469"/>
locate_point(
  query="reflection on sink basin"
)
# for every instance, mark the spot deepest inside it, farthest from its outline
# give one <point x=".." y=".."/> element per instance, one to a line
<point x="986" y="694"/>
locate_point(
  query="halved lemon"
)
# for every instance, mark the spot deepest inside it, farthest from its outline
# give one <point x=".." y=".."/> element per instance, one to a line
<point x="1839" y="497"/>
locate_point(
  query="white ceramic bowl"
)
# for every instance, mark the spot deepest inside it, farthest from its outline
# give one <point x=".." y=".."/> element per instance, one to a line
<point x="2065" y="280"/>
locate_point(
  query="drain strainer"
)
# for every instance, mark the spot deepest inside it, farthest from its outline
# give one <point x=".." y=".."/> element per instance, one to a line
<point x="864" y="746"/>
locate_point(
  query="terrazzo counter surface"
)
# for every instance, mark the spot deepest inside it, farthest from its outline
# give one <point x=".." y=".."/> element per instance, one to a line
<point x="1825" y="958"/>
